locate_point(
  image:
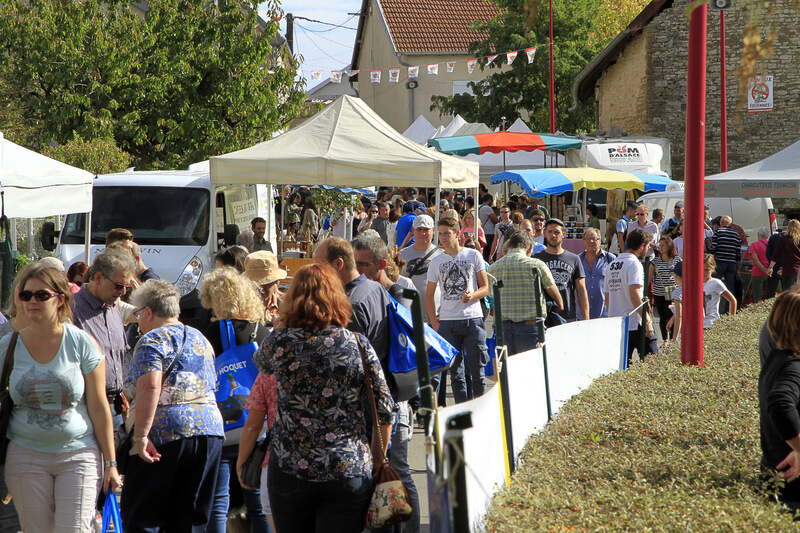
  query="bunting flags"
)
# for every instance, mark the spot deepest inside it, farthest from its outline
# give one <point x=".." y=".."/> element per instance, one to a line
<point x="413" y="71"/>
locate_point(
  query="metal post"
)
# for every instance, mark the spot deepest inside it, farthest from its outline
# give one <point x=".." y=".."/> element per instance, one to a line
<point x="540" y="313"/>
<point x="552" y="77"/>
<point x="646" y="298"/>
<point x="457" y="471"/>
<point x="692" y="345"/>
<point x="502" y="375"/>
<point x="437" y="214"/>
<point x="723" y="115"/>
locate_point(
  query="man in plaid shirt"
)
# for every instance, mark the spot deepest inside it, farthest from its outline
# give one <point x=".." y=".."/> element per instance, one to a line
<point x="521" y="274"/>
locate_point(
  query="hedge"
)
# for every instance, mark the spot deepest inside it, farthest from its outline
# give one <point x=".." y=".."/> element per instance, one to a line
<point x="660" y="447"/>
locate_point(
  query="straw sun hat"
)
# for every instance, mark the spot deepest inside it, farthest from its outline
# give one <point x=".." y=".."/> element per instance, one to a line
<point x="262" y="267"/>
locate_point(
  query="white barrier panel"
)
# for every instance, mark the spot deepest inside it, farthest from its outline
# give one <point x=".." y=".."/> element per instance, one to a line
<point x="526" y="396"/>
<point x="580" y="352"/>
<point x="483" y="451"/>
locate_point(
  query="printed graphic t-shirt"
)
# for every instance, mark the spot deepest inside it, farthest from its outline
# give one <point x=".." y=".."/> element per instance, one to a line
<point x="566" y="267"/>
<point x="454" y="275"/>
<point x="624" y="271"/>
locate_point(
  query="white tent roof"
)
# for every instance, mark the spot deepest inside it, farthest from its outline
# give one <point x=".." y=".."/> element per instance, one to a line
<point x="456" y="124"/>
<point x="345" y="145"/>
<point x="36" y="186"/>
<point x="777" y="176"/>
<point x="420" y="131"/>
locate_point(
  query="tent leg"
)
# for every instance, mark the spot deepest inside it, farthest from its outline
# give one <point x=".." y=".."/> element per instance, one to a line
<point x="88" y="239"/>
<point x="476" y="207"/>
<point x="437" y="210"/>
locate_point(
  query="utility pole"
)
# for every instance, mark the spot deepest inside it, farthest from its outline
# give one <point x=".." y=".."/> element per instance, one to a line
<point x="290" y="32"/>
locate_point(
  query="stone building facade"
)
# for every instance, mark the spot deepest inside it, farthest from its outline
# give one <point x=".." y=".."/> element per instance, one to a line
<point x="639" y="82"/>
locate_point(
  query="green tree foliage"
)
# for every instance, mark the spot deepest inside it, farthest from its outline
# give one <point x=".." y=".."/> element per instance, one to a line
<point x="581" y="28"/>
<point x="98" y="156"/>
<point x="188" y="80"/>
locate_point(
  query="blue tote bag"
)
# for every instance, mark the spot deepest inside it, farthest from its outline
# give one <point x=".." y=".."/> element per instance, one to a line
<point x="403" y="352"/>
<point x="236" y="374"/>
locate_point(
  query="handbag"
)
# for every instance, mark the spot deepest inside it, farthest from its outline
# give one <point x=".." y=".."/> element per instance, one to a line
<point x="403" y="351"/>
<point x="111" y="515"/>
<point x="236" y="374"/>
<point x="251" y="469"/>
<point x="123" y="452"/>
<point x="6" y="403"/>
<point x="391" y="501"/>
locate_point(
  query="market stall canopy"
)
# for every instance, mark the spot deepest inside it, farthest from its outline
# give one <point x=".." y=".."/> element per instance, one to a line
<point x="35" y="186"/>
<point x="502" y="141"/>
<point x="777" y="176"/>
<point x="345" y="145"/>
<point x="545" y="181"/>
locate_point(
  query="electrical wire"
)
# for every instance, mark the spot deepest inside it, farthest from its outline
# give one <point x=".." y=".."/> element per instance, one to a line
<point x="321" y="50"/>
<point x="342" y="25"/>
<point x="306" y="30"/>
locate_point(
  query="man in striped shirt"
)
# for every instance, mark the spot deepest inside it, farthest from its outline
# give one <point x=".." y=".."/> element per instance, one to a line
<point x="520" y="274"/>
<point x="727" y="247"/>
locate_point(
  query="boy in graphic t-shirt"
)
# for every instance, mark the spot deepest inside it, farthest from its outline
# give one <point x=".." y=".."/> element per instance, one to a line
<point x="460" y="275"/>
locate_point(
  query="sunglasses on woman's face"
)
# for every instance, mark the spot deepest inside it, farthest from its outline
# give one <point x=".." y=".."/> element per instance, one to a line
<point x="40" y="295"/>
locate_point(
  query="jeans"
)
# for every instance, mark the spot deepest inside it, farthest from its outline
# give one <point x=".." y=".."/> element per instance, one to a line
<point x="519" y="336"/>
<point x="301" y="506"/>
<point x="226" y="476"/>
<point x="664" y="314"/>
<point x="726" y="271"/>
<point x="54" y="491"/>
<point x="174" y="494"/>
<point x="469" y="338"/>
<point x="788" y="282"/>
<point x="398" y="459"/>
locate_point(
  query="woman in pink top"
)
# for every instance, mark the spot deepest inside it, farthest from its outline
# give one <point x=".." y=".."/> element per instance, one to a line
<point x="468" y="230"/>
<point x="758" y="254"/>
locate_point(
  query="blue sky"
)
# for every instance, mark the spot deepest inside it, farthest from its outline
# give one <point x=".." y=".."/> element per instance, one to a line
<point x="322" y="47"/>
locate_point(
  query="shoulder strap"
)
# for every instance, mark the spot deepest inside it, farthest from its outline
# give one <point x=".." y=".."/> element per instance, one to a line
<point x="421" y="263"/>
<point x="9" y="362"/>
<point x="372" y="405"/>
<point x="227" y="335"/>
<point x="168" y="371"/>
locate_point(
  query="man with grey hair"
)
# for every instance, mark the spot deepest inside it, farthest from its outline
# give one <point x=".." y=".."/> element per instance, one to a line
<point x="95" y="311"/>
<point x="371" y="256"/>
<point x="595" y="262"/>
<point x="727" y="248"/>
<point x="521" y="274"/>
<point x="758" y="254"/>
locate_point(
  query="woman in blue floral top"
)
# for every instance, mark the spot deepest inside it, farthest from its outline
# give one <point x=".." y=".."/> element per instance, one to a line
<point x="177" y="427"/>
<point x="320" y="459"/>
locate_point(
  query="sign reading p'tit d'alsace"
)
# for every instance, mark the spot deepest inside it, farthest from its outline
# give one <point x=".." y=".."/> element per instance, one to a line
<point x="759" y="94"/>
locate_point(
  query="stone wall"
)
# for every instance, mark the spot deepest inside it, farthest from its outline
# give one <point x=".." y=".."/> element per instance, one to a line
<point x="621" y="91"/>
<point x="760" y="134"/>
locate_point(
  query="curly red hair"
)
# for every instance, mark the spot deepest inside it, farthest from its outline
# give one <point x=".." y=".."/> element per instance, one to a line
<point x="316" y="299"/>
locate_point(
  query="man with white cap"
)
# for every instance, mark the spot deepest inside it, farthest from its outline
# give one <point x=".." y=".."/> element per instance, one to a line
<point x="262" y="267"/>
<point x="418" y="256"/>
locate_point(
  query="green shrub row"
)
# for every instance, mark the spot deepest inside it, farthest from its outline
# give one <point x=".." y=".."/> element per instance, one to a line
<point x="660" y="447"/>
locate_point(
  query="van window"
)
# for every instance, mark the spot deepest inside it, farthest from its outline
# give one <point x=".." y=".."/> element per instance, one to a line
<point x="155" y="215"/>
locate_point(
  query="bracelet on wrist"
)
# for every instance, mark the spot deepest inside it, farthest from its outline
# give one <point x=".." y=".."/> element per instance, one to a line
<point x="137" y="439"/>
<point x="109" y="464"/>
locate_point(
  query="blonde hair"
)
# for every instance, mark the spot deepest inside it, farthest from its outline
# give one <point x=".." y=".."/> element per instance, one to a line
<point x="793" y="231"/>
<point x="464" y="220"/>
<point x="231" y="295"/>
<point x="709" y="262"/>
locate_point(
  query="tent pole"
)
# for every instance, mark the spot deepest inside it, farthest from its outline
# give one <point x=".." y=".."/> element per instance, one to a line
<point x="475" y="207"/>
<point x="88" y="238"/>
<point x="31" y="247"/>
<point x="437" y="211"/>
<point x="284" y="210"/>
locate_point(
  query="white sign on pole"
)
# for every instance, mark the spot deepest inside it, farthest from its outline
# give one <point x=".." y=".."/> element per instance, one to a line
<point x="759" y="95"/>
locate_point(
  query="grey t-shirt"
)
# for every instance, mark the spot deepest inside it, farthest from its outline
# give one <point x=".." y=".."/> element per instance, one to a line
<point x="419" y="268"/>
<point x="566" y="267"/>
<point x="381" y="225"/>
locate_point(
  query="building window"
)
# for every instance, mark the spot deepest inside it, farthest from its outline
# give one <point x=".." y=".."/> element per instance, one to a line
<point x="460" y="87"/>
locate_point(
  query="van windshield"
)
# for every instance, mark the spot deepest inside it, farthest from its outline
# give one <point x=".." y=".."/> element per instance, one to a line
<point x="155" y="215"/>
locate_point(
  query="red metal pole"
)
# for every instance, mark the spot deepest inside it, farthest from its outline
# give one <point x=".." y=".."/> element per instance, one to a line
<point x="552" y="82"/>
<point x="692" y="342"/>
<point x="723" y="115"/>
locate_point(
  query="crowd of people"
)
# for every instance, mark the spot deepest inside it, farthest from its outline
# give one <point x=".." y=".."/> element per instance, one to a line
<point x="102" y="351"/>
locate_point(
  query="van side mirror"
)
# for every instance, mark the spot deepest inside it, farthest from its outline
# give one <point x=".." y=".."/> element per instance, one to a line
<point x="49" y="235"/>
<point x="231" y="232"/>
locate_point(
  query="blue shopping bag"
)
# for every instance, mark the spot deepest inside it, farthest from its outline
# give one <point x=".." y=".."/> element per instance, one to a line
<point x="403" y="352"/>
<point x="491" y="344"/>
<point x="236" y="374"/>
<point x="111" y="516"/>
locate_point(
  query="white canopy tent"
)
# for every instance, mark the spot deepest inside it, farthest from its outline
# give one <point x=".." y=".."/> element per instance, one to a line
<point x="35" y="186"/>
<point x="777" y="176"/>
<point x="345" y="145"/>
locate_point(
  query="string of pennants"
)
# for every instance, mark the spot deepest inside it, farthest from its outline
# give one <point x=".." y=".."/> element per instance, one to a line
<point x="413" y="72"/>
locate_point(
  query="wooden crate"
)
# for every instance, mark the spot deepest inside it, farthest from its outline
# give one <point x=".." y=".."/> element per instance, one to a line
<point x="292" y="264"/>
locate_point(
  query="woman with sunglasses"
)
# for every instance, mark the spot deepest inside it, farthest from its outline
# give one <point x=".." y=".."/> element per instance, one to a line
<point x="61" y="422"/>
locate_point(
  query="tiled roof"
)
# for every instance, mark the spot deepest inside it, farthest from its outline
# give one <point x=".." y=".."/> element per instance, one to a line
<point x="435" y="25"/>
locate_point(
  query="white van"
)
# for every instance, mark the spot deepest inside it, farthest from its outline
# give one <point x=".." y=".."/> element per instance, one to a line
<point x="179" y="219"/>
<point x="751" y="215"/>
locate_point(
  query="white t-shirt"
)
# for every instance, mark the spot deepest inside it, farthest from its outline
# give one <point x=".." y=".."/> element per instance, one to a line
<point x="712" y="291"/>
<point x="485" y="212"/>
<point x="678" y="241"/>
<point x="454" y="275"/>
<point x="624" y="271"/>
